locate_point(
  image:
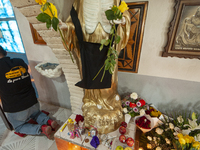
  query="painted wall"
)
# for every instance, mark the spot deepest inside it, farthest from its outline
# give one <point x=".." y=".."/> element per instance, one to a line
<point x="168" y="83"/>
<point x="54" y="91"/>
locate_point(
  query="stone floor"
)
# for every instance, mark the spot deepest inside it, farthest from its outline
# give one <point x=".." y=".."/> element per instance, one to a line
<point x="11" y="141"/>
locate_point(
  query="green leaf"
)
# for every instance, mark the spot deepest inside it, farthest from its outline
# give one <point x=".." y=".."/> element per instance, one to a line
<point x="117" y="39"/>
<point x="48" y="24"/>
<point x="43" y="17"/>
<point x="55" y="23"/>
<point x="110" y="14"/>
<point x="101" y="47"/>
<point x="107" y="66"/>
<point x="112" y="30"/>
<point x="118" y="12"/>
<point x="113" y="62"/>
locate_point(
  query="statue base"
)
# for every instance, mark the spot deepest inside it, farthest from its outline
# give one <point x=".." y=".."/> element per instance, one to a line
<point x="105" y="121"/>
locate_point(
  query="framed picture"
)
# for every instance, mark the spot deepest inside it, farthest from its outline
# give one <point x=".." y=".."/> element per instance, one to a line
<point x="184" y="31"/>
<point x="129" y="57"/>
<point x="37" y="39"/>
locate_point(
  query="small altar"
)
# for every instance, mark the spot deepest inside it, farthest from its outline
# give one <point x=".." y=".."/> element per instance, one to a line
<point x="63" y="140"/>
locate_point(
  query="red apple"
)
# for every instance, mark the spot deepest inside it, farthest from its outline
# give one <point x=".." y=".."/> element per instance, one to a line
<point x="122" y="138"/>
<point x="129" y="141"/>
<point x="124" y="124"/>
<point x="122" y="130"/>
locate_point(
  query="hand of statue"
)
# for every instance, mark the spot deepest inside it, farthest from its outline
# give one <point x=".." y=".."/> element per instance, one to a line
<point x="62" y="25"/>
<point x="121" y="21"/>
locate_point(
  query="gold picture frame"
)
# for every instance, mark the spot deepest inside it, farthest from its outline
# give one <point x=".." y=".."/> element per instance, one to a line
<point x="184" y="31"/>
<point x="37" y="39"/>
<point x="129" y="57"/>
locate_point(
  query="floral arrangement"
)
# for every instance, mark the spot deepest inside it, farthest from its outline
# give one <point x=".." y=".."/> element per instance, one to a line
<point x="113" y="14"/>
<point x="133" y="105"/>
<point x="49" y="16"/>
<point x="143" y="122"/>
<point x="177" y="132"/>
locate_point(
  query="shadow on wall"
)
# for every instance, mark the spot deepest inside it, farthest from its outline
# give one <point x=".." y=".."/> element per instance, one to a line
<point x="51" y="90"/>
<point x="175" y="107"/>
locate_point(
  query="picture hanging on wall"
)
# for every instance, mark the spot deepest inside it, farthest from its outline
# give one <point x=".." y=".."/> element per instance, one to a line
<point x="37" y="39"/>
<point x="129" y="57"/>
<point x="184" y="31"/>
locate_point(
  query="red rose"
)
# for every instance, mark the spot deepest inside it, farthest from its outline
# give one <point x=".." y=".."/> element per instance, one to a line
<point x="132" y="105"/>
<point x="79" y="118"/>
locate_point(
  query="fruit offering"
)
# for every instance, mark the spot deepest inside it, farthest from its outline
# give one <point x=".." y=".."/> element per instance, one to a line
<point x="130" y="141"/>
<point x="128" y="148"/>
<point x="122" y="130"/>
<point x="119" y="148"/>
<point x="124" y="124"/>
<point x="122" y="138"/>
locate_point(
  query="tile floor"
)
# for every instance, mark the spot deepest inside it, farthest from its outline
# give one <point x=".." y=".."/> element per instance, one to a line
<point x="11" y="141"/>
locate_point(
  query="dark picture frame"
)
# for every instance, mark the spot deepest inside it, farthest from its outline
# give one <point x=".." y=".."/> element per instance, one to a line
<point x="184" y="31"/>
<point x="129" y="57"/>
<point x="37" y="39"/>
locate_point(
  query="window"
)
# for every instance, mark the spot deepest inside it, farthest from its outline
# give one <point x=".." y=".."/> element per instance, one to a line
<point x="10" y="38"/>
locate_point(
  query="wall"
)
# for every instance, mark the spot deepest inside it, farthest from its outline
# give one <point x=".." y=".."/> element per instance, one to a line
<point x="168" y="83"/>
<point x="53" y="91"/>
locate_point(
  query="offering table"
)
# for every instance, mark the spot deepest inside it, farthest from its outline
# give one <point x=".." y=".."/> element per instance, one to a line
<point x="64" y="142"/>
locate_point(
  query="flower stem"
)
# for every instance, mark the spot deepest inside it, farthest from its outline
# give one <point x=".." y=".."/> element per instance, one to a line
<point x="98" y="72"/>
<point x="65" y="44"/>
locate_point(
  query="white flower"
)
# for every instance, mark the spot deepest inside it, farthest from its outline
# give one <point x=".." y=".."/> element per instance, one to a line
<point x="134" y="95"/>
<point x="171" y="126"/>
<point x="197" y="137"/>
<point x="154" y="138"/>
<point x="167" y="141"/>
<point x="125" y="110"/>
<point x="180" y="119"/>
<point x="159" y="131"/>
<point x="192" y="125"/>
<point x="158" y="148"/>
<point x="149" y="146"/>
<point x="149" y="138"/>
<point x="142" y="112"/>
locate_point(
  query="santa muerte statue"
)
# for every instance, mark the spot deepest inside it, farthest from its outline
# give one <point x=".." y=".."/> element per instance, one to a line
<point x="95" y="32"/>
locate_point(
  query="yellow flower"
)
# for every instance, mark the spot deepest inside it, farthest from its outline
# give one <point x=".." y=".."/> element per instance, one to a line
<point x="194" y="116"/>
<point x="182" y="141"/>
<point x="188" y="139"/>
<point x="51" y="9"/>
<point x="180" y="135"/>
<point x="123" y="7"/>
<point x="196" y="145"/>
<point x="41" y="2"/>
<point x="70" y="120"/>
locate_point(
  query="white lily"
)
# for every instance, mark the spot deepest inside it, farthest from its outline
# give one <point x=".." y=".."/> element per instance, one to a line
<point x="192" y="125"/>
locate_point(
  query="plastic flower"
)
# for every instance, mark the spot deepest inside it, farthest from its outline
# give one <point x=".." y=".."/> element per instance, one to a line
<point x="192" y="125"/>
<point x="149" y="146"/>
<point x="135" y="109"/>
<point x="41" y="2"/>
<point x="196" y="145"/>
<point x="127" y="103"/>
<point x="125" y="110"/>
<point x="180" y="119"/>
<point x="51" y="11"/>
<point x="197" y="137"/>
<point x="70" y="120"/>
<point x="194" y="116"/>
<point x="123" y="7"/>
<point x="149" y="138"/>
<point x="171" y="126"/>
<point x="167" y="141"/>
<point x="158" y="148"/>
<point x="159" y="131"/>
<point x="182" y="141"/>
<point x="134" y="95"/>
